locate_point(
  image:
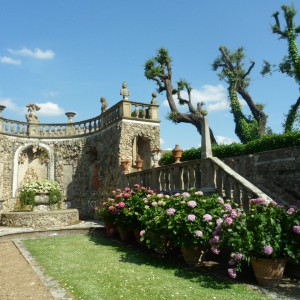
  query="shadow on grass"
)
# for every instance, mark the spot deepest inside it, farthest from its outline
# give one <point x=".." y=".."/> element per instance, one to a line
<point x="134" y="254"/>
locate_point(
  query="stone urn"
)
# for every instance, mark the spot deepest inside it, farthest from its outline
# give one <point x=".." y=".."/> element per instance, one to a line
<point x="139" y="163"/>
<point x="177" y="153"/>
<point x="42" y="199"/>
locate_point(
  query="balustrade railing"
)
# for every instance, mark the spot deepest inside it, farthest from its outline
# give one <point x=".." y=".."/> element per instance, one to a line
<point x="122" y="110"/>
<point x="209" y="175"/>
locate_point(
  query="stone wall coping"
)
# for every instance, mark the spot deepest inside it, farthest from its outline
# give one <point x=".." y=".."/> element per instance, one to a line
<point x="124" y="109"/>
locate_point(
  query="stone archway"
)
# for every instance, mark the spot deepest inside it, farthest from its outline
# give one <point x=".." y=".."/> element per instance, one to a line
<point x="32" y="161"/>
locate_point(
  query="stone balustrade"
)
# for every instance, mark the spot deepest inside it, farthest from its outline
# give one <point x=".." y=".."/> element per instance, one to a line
<point x="208" y="175"/>
<point x="125" y="109"/>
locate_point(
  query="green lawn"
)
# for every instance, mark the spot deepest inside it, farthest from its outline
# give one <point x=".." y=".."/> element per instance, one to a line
<point x="96" y="268"/>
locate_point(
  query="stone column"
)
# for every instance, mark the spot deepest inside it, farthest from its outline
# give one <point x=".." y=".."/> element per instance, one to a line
<point x="205" y="137"/>
<point x="153" y="109"/>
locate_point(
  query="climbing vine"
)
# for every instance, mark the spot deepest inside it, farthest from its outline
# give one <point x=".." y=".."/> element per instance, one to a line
<point x="290" y="64"/>
<point x="232" y="71"/>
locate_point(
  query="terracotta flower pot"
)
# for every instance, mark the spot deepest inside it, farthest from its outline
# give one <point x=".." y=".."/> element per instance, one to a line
<point x="268" y="271"/>
<point x="177" y="153"/>
<point x="111" y="230"/>
<point x="125" y="235"/>
<point x="193" y="255"/>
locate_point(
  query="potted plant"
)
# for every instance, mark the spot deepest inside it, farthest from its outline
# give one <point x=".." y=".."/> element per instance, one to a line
<point x="36" y="192"/>
<point x="264" y="237"/>
<point x="154" y="222"/>
<point x="192" y="220"/>
<point x="123" y="210"/>
<point x="106" y="212"/>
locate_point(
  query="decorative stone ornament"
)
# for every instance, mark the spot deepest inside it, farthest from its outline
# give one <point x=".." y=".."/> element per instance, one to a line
<point x="124" y="91"/>
<point x="70" y="116"/>
<point x="2" y="107"/>
<point x="177" y="153"/>
<point x="155" y="157"/>
<point x="139" y="163"/>
<point x="125" y="163"/>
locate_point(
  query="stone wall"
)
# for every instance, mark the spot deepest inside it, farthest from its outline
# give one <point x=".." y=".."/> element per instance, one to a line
<point x="275" y="172"/>
<point x="87" y="168"/>
<point x="47" y="219"/>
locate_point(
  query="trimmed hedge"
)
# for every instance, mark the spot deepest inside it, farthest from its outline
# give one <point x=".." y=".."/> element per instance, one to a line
<point x="268" y="142"/>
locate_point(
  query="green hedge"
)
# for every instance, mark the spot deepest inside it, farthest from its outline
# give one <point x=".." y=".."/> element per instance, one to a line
<point x="268" y="142"/>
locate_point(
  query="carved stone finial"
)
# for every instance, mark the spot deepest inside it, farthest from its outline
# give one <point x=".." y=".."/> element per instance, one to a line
<point x="70" y="116"/>
<point x="154" y="101"/>
<point x="104" y="104"/>
<point x="2" y="107"/>
<point x="124" y="91"/>
<point x="31" y="116"/>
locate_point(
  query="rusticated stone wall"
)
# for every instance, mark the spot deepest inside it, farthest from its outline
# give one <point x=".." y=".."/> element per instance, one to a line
<point x="87" y="168"/>
<point x="275" y="172"/>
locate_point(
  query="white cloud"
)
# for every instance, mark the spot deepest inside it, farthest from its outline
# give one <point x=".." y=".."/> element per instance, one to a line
<point x="217" y="106"/>
<point x="214" y="96"/>
<point x="36" y="53"/>
<point x="9" y="60"/>
<point x="50" y="109"/>
<point x="225" y="140"/>
<point x="9" y="103"/>
<point x="162" y="141"/>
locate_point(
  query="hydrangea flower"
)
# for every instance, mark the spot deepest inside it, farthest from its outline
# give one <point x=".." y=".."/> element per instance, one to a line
<point x="268" y="249"/>
<point x="207" y="217"/>
<point x="239" y="256"/>
<point x="228" y="221"/>
<point x="227" y="206"/>
<point x="185" y="194"/>
<point x="215" y="250"/>
<point x="231" y="262"/>
<point x="296" y="229"/>
<point x="232" y="273"/>
<point x="154" y="203"/>
<point x="233" y="213"/>
<point x="199" y="193"/>
<point x="192" y="203"/>
<point x="191" y="217"/>
<point x="219" y="221"/>
<point x="171" y="211"/>
<point x="291" y="211"/>
<point x="198" y="233"/>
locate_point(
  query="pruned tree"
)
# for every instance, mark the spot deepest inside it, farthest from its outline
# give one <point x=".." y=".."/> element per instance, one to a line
<point x="290" y="64"/>
<point x="159" y="69"/>
<point x="231" y="69"/>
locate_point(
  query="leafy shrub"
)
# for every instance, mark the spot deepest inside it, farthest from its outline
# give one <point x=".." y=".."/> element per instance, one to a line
<point x="268" y="142"/>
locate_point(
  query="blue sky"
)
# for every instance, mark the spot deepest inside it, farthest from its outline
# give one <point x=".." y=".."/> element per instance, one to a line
<point x="65" y="55"/>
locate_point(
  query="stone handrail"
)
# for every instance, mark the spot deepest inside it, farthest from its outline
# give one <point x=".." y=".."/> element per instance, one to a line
<point x="122" y="110"/>
<point x="207" y="175"/>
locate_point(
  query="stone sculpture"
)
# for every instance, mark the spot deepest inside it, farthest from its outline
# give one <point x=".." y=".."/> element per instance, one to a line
<point x="124" y="91"/>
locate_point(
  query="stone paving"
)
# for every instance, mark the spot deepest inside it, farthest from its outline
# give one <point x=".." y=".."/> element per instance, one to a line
<point x="20" y="277"/>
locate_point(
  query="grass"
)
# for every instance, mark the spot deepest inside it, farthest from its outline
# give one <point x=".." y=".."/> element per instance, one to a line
<point x="97" y="268"/>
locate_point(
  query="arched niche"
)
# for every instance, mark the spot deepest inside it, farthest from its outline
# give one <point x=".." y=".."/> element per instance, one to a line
<point x="141" y="149"/>
<point x="32" y="161"/>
